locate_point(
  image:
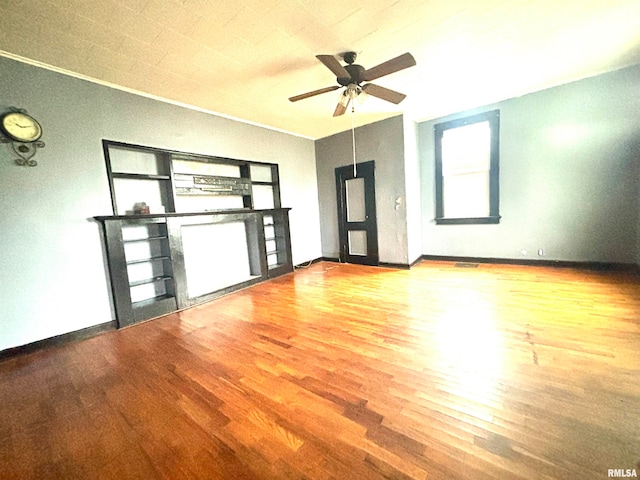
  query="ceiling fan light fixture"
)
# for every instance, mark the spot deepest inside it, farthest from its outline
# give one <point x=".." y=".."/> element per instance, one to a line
<point x="353" y="90"/>
<point x="344" y="99"/>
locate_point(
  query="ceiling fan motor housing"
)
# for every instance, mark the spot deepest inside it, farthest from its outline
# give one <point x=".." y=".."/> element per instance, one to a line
<point x="357" y="75"/>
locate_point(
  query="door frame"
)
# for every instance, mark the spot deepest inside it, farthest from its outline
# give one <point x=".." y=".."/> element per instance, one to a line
<point x="366" y="171"/>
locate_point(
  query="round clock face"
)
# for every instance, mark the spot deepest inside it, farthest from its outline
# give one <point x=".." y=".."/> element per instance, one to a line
<point x="21" y="127"/>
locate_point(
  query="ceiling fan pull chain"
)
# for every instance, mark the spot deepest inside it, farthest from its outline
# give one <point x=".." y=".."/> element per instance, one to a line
<point x="353" y="138"/>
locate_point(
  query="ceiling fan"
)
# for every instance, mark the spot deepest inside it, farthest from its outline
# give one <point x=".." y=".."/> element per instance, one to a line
<point x="352" y="76"/>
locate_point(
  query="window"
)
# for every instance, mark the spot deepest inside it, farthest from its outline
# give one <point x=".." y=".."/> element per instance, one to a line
<point x="467" y="169"/>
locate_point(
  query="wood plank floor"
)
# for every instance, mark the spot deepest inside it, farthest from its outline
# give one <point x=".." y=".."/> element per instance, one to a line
<point x="346" y="372"/>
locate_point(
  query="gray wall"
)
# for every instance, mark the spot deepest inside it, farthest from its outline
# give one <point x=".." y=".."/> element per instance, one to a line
<point x="382" y="142"/>
<point x="413" y="193"/>
<point x="569" y="177"/>
<point x="52" y="267"/>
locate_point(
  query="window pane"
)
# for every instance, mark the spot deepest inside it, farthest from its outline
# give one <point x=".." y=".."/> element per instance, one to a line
<point x="466" y="196"/>
<point x="466" y="149"/>
<point x="467" y="169"/>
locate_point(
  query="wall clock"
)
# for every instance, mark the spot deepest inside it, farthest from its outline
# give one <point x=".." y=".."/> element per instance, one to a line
<point x="21" y="127"/>
<point x="22" y="132"/>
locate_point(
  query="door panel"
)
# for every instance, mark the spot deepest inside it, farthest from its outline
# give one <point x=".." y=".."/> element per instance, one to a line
<point x="354" y="191"/>
<point x="357" y="242"/>
<point x="357" y="225"/>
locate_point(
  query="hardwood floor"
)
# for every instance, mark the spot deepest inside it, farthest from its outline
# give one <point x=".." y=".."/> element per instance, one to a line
<point x="346" y="372"/>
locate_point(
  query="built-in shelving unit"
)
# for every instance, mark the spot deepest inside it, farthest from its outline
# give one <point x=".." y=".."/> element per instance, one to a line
<point x="277" y="245"/>
<point x="148" y="262"/>
<point x="209" y="226"/>
<point x="140" y="267"/>
<point x="139" y="174"/>
<point x="265" y="185"/>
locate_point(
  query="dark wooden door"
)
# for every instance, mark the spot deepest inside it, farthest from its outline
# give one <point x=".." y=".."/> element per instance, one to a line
<point x="357" y="225"/>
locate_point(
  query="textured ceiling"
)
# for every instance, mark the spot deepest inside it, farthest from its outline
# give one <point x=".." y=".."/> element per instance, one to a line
<point x="244" y="58"/>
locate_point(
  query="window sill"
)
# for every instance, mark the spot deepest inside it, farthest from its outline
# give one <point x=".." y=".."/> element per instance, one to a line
<point x="468" y="221"/>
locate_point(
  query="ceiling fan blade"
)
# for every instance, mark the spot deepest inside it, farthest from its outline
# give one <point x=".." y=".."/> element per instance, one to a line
<point x="341" y="107"/>
<point x="405" y="60"/>
<point x="384" y="93"/>
<point x="333" y="64"/>
<point x="314" y="93"/>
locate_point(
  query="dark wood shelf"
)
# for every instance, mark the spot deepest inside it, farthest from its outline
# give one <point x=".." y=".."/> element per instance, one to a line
<point x="146" y="239"/>
<point x="225" y="211"/>
<point x="151" y="301"/>
<point x="140" y="176"/>
<point x="150" y="259"/>
<point x="159" y="278"/>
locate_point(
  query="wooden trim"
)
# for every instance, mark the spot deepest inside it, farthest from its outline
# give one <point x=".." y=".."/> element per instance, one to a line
<point x="330" y="259"/>
<point x="468" y="221"/>
<point x="401" y="266"/>
<point x="275" y="180"/>
<point x="198" y="157"/>
<point x="415" y="262"/>
<point x="118" y="275"/>
<point x="140" y="176"/>
<point x="207" y="297"/>
<point x="605" y="266"/>
<point x="58" y="340"/>
<point x="112" y="190"/>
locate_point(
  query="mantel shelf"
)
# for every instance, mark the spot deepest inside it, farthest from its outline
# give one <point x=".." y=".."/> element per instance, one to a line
<point x="231" y="211"/>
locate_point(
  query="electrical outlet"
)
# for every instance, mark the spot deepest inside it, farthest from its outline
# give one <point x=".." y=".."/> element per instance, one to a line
<point x="541" y="252"/>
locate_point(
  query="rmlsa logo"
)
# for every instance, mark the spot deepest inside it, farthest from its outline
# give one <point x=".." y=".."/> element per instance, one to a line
<point x="623" y="473"/>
